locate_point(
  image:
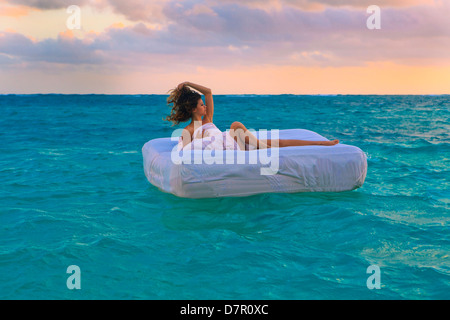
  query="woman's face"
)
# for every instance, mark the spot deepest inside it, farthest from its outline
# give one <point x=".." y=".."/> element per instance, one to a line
<point x="201" y="108"/>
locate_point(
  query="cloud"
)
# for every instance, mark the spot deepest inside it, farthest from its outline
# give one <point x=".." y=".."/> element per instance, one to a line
<point x="139" y="10"/>
<point x="360" y="3"/>
<point x="118" y="48"/>
<point x="157" y="41"/>
<point x="277" y="36"/>
<point x="64" y="50"/>
<point x="230" y="34"/>
<point x="134" y="10"/>
<point x="322" y="4"/>
<point x="49" y="4"/>
<point x="15" y="11"/>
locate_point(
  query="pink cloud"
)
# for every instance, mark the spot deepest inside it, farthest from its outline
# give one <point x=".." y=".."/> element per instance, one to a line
<point x="15" y="11"/>
<point x="320" y="5"/>
<point x="135" y="10"/>
<point x="229" y="34"/>
<point x="48" y="4"/>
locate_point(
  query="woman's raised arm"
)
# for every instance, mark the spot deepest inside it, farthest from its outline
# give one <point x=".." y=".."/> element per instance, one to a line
<point x="202" y="89"/>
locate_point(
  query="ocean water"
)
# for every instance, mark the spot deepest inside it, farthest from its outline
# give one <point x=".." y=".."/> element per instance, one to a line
<point x="73" y="192"/>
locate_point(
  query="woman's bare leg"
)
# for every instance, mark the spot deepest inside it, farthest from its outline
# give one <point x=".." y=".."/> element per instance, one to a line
<point x="242" y="136"/>
<point x="295" y="142"/>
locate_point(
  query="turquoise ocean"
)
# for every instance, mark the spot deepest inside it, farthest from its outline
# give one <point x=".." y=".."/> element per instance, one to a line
<point x="73" y="192"/>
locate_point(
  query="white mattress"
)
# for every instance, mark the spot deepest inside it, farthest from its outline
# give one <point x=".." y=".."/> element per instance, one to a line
<point x="290" y="169"/>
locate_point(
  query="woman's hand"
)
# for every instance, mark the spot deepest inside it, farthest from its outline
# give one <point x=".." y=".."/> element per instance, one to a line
<point x="202" y="89"/>
<point x="181" y="85"/>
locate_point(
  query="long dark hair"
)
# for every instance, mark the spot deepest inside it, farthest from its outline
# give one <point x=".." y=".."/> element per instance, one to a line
<point x="182" y="101"/>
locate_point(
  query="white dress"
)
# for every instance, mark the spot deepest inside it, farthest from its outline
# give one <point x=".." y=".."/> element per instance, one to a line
<point x="213" y="139"/>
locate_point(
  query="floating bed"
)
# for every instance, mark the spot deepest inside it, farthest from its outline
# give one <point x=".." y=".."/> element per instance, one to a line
<point x="236" y="173"/>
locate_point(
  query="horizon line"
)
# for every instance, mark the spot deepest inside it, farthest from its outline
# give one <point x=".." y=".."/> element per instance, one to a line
<point x="234" y="94"/>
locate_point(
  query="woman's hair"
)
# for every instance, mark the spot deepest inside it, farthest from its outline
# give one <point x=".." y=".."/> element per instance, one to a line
<point x="182" y="101"/>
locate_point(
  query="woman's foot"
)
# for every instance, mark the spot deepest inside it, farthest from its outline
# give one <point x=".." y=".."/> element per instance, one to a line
<point x="330" y="143"/>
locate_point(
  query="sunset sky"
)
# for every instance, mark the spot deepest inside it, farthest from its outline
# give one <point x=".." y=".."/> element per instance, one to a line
<point x="231" y="46"/>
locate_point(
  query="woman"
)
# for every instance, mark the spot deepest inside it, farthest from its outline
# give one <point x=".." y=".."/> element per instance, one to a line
<point x="188" y="105"/>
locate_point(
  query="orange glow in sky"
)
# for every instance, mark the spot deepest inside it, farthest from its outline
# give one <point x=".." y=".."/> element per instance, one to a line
<point x="271" y="47"/>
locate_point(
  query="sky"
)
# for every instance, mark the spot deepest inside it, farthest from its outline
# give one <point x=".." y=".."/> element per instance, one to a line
<point x="230" y="46"/>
